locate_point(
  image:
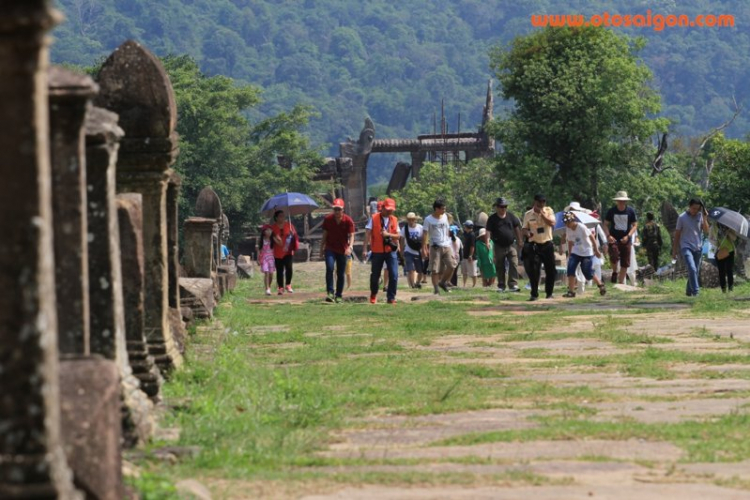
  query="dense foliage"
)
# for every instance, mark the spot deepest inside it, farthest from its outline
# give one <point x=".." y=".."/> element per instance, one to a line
<point x="581" y="106"/>
<point x="394" y="61"/>
<point x="220" y="148"/>
<point x="466" y="189"/>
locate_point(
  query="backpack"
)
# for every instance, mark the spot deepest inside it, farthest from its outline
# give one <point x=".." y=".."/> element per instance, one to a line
<point x="413" y="243"/>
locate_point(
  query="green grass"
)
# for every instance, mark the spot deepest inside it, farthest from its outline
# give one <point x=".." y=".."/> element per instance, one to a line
<point x="720" y="440"/>
<point x="268" y="385"/>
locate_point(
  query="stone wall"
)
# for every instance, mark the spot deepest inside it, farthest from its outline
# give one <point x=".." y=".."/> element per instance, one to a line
<point x="92" y="320"/>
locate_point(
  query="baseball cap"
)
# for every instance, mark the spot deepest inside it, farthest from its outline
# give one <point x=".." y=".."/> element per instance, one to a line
<point x="540" y="197"/>
<point x="389" y="204"/>
<point x="338" y="203"/>
<point x="469" y="223"/>
<point x="501" y="202"/>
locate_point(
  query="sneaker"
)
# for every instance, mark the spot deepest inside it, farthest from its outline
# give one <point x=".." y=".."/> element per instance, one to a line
<point x="268" y="291"/>
<point x="614" y="278"/>
<point x="533" y="299"/>
<point x="392" y="302"/>
<point x="373" y="299"/>
<point x="418" y="285"/>
<point x="570" y="294"/>
<point x="289" y="289"/>
<point x="550" y="296"/>
<point x="338" y="300"/>
<point x="500" y="290"/>
<point x="281" y="291"/>
<point x="444" y="287"/>
<point x="329" y="297"/>
<point x="514" y="289"/>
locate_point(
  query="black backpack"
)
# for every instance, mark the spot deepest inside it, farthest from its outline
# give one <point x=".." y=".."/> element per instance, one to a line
<point x="414" y="243"/>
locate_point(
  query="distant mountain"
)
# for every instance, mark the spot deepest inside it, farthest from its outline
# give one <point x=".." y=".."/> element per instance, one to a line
<point x="396" y="61"/>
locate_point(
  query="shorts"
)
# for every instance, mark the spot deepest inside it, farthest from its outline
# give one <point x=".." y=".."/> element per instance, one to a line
<point x="620" y="252"/>
<point x="469" y="268"/>
<point x="413" y="262"/>
<point x="441" y="258"/>
<point x="586" y="265"/>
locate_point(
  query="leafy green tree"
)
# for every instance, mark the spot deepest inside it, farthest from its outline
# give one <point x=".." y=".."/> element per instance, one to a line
<point x="730" y="176"/>
<point x="219" y="147"/>
<point x="581" y="106"/>
<point x="466" y="189"/>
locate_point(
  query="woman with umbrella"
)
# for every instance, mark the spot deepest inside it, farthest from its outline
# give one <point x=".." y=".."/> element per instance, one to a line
<point x="728" y="225"/>
<point x="285" y="238"/>
<point x="285" y="243"/>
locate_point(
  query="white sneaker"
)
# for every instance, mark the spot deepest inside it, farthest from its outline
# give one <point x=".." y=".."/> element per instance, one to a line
<point x="268" y="291"/>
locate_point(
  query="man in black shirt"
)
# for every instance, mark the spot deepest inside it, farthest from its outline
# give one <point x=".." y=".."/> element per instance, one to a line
<point x="505" y="231"/>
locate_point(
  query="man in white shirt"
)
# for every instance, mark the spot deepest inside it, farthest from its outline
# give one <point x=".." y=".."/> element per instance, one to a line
<point x="437" y="244"/>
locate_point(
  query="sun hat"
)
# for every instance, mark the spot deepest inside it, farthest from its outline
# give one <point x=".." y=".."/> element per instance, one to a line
<point x="569" y="217"/>
<point x="576" y="207"/>
<point x="621" y="196"/>
<point x="411" y="215"/>
<point x="481" y="233"/>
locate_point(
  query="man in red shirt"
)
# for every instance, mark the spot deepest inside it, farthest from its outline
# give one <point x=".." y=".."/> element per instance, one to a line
<point x="337" y="242"/>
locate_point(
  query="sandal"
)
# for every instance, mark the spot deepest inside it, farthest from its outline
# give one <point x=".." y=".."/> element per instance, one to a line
<point x="569" y="294"/>
<point x="602" y="289"/>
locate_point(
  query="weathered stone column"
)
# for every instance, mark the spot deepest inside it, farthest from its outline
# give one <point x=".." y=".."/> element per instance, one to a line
<point x="199" y="249"/>
<point x="134" y="84"/>
<point x="32" y="463"/>
<point x="130" y="217"/>
<point x="176" y="325"/>
<point x="105" y="278"/>
<point x="69" y="95"/>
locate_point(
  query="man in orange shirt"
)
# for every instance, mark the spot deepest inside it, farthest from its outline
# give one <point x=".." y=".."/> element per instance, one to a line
<point x="382" y="236"/>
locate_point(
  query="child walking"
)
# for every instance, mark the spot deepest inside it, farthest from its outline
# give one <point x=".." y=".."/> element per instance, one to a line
<point x="582" y="248"/>
<point x="265" y="257"/>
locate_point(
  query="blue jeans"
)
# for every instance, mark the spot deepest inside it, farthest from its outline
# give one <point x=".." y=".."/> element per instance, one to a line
<point x="693" y="264"/>
<point x="390" y="259"/>
<point x="339" y="260"/>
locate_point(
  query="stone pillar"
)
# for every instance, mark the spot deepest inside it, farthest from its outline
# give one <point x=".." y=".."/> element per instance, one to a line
<point x="173" y="195"/>
<point x="417" y="159"/>
<point x="105" y="273"/>
<point x="176" y="325"/>
<point x="69" y="95"/>
<point x="199" y="249"/>
<point x="134" y="85"/>
<point x="32" y="462"/>
<point x="130" y="218"/>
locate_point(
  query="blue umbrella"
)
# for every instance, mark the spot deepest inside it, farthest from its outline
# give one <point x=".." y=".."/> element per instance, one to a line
<point x="583" y="218"/>
<point x="291" y="203"/>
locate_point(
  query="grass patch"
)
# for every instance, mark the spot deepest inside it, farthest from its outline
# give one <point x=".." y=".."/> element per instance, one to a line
<point x="720" y="440"/>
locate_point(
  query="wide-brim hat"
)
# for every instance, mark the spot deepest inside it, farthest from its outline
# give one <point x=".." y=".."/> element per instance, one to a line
<point x="411" y="216"/>
<point x="481" y="233"/>
<point x="574" y="206"/>
<point x="621" y="196"/>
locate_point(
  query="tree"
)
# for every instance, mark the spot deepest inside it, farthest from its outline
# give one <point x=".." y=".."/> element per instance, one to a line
<point x="581" y="109"/>
<point x="219" y="147"/>
<point x="466" y="189"/>
<point x="730" y="177"/>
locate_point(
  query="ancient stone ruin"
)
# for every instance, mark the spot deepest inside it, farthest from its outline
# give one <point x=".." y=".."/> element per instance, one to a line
<point x="92" y="318"/>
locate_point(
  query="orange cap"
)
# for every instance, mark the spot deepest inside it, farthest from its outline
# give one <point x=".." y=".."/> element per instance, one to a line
<point x="338" y="203"/>
<point x="389" y="204"/>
